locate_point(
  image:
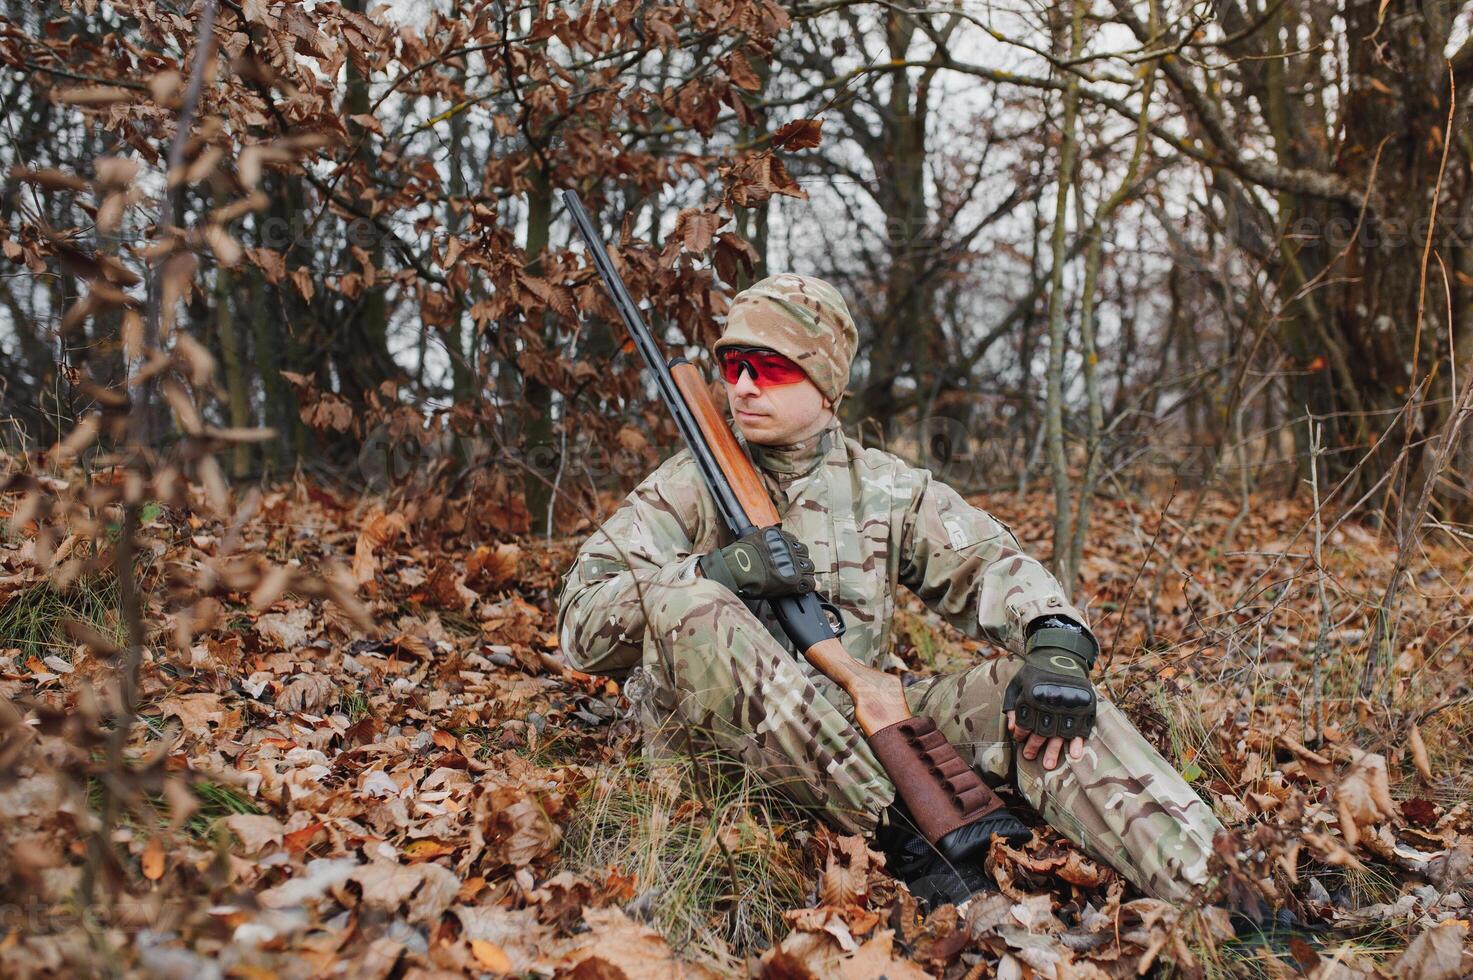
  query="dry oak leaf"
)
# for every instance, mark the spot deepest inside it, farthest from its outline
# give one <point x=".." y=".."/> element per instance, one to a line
<point x="504" y="512"/>
<point x="288" y="631"/>
<point x="843" y="924"/>
<point x="618" y="948"/>
<point x="632" y="439"/>
<point x="845" y="877"/>
<point x="991" y="913"/>
<point x="328" y="412"/>
<point x="378" y="531"/>
<point x="561" y="900"/>
<point x="1315" y="765"/>
<point x="321" y="875"/>
<point x="800" y="134"/>
<point x="194" y="711"/>
<point x="814" y="956"/>
<point x="256" y="830"/>
<point x="1436" y="954"/>
<point x="307" y="692"/>
<point x="447" y="589"/>
<point x="426" y="849"/>
<point x="1363" y="796"/>
<point x="1419" y="753"/>
<point x="491" y="956"/>
<point x="739" y="70"/>
<point x="516" y="828"/>
<point x="695" y="228"/>
<point x="733" y="251"/>
<point x="422" y="892"/>
<point x="1080" y="870"/>
<point x="515" y="932"/>
<point x="490" y="568"/>
<point x="153" y="858"/>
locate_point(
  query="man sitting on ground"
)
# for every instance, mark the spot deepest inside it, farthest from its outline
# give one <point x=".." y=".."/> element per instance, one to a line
<point x="659" y="592"/>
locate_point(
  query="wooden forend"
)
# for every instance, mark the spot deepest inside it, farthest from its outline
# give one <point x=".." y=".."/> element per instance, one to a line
<point x="740" y="473"/>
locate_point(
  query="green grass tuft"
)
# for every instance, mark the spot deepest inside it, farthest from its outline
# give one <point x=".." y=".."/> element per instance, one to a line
<point x="1191" y="746"/>
<point x="217" y="802"/>
<point x="666" y="825"/>
<point x="34" y="618"/>
<point x="355" y="705"/>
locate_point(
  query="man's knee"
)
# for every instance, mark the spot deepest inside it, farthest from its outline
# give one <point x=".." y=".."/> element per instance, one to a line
<point x="682" y="609"/>
<point x="967" y="707"/>
<point x="703" y="642"/>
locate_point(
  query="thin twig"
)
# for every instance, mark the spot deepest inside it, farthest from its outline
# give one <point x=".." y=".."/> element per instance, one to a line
<point x="1316" y="448"/>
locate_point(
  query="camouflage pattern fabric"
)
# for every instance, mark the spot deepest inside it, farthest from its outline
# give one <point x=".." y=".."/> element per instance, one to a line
<point x="709" y="672"/>
<point x="802" y="318"/>
<point x="1122" y="802"/>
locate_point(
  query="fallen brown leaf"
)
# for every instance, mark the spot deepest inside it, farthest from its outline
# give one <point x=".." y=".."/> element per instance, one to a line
<point x="491" y="956"/>
<point x="818" y="956"/>
<point x="255" y="830"/>
<point x="1437" y="954"/>
<point x="846" y="873"/>
<point x="1363" y="796"/>
<point x="1419" y="753"/>
<point x="420" y="892"/>
<point x="153" y="858"/>
<point x="618" y="948"/>
<point x="378" y="530"/>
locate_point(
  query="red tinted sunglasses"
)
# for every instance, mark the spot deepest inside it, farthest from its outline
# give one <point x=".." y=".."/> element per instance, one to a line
<point x="768" y="367"/>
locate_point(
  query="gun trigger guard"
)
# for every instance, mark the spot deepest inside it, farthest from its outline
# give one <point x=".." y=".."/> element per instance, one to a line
<point x="836" y="616"/>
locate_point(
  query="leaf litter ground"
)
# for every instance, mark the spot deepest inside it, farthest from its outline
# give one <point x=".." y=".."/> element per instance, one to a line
<point x="444" y="796"/>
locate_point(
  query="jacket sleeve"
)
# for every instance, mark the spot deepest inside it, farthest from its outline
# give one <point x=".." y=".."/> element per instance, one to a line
<point x="969" y="568"/>
<point x="648" y="541"/>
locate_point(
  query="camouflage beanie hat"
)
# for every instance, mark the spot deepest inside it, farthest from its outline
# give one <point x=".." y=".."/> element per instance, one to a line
<point x="802" y="318"/>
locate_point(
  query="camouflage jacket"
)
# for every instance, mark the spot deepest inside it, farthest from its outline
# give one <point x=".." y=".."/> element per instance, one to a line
<point x="871" y="522"/>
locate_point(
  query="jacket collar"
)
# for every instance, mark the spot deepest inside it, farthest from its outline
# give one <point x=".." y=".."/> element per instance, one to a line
<point x="796" y="459"/>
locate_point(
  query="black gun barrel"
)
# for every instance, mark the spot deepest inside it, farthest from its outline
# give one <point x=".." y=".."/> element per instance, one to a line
<point x="726" y="501"/>
<point x="804" y="618"/>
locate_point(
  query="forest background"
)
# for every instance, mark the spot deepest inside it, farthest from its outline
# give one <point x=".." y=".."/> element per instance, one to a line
<point x="308" y="392"/>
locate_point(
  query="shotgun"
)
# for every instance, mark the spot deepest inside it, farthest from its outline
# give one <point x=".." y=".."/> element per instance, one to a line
<point x="945" y="796"/>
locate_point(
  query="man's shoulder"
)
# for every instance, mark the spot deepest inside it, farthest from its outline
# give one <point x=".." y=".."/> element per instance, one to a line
<point x="676" y="466"/>
<point x="676" y="481"/>
<point x="880" y="461"/>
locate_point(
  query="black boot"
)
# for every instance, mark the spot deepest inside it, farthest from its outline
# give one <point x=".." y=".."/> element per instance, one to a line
<point x="952" y="873"/>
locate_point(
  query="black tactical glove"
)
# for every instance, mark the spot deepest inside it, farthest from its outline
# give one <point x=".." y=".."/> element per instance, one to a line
<point x="768" y="562"/>
<point x="1052" y="695"/>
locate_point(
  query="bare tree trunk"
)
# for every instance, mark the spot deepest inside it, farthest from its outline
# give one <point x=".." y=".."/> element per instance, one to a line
<point x="362" y="351"/>
<point x="1057" y="330"/>
<point x="235" y="381"/>
<point x="538" y="435"/>
<point x="1027" y="443"/>
<point x="463" y="379"/>
<point x="279" y="406"/>
<point x="1094" y="437"/>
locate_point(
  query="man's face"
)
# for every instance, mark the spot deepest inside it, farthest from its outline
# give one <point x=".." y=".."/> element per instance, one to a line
<point x="770" y="413"/>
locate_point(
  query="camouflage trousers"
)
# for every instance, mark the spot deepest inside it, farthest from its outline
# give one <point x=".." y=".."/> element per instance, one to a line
<point x="712" y="674"/>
